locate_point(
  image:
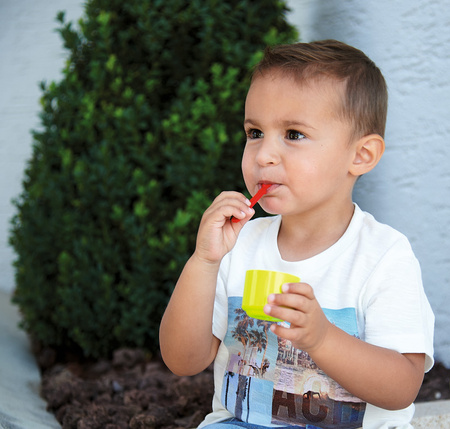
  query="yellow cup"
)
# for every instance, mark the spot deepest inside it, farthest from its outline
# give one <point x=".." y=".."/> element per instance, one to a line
<point x="259" y="284"/>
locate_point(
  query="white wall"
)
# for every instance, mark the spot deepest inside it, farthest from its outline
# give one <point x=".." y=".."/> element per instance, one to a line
<point x="408" y="39"/>
<point x="410" y="189"/>
<point x="30" y="51"/>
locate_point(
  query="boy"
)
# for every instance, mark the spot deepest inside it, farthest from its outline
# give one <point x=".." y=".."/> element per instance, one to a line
<point x="358" y="328"/>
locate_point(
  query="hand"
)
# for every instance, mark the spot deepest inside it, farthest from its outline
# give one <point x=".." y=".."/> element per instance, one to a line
<point x="217" y="235"/>
<point x="298" y="306"/>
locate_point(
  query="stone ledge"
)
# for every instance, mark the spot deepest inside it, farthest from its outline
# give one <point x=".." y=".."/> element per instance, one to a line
<point x="432" y="422"/>
<point x="432" y="415"/>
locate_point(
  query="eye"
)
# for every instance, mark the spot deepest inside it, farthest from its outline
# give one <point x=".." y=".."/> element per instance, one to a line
<point x="294" y="135"/>
<point x="254" y="133"/>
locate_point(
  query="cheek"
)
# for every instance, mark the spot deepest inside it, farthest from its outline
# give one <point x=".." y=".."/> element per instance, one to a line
<point x="309" y="166"/>
<point x="246" y="165"/>
<point x="301" y="168"/>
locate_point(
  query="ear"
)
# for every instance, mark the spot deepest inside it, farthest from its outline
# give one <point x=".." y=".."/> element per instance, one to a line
<point x="368" y="151"/>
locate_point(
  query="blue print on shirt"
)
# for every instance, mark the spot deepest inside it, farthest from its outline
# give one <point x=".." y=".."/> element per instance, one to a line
<point x="270" y="382"/>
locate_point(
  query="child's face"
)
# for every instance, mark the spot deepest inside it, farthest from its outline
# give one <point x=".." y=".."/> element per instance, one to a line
<point x="297" y="142"/>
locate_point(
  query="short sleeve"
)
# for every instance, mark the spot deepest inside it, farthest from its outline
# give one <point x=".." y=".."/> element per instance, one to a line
<point x="398" y="315"/>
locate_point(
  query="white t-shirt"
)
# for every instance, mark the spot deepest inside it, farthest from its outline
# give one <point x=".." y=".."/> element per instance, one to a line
<point x="368" y="284"/>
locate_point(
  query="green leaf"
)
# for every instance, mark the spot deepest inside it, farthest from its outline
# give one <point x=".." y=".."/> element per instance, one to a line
<point x="136" y="139"/>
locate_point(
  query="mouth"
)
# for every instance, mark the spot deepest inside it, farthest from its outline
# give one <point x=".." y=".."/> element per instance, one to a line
<point x="268" y="185"/>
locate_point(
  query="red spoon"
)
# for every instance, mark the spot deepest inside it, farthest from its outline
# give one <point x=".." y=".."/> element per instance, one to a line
<point x="255" y="198"/>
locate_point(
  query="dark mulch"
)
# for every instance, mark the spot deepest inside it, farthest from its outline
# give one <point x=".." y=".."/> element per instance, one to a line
<point x="130" y="391"/>
<point x="135" y="391"/>
<point x="436" y="384"/>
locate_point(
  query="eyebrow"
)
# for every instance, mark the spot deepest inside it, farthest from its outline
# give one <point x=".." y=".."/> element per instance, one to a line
<point x="284" y="124"/>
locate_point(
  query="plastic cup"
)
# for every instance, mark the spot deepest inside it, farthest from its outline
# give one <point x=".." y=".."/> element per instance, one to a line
<point x="259" y="284"/>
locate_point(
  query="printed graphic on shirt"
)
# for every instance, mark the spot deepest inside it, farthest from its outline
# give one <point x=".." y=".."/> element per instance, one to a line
<point x="268" y="381"/>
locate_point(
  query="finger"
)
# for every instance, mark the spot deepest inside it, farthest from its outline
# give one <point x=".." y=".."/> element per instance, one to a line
<point x="242" y="215"/>
<point x="232" y="195"/>
<point x="233" y="198"/>
<point x="227" y="205"/>
<point x="283" y="332"/>
<point x="291" y="300"/>
<point x="288" y="314"/>
<point x="303" y="289"/>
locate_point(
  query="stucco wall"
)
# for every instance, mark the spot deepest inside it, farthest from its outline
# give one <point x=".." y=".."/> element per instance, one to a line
<point x="408" y="39"/>
<point x="30" y="51"/>
<point x="410" y="189"/>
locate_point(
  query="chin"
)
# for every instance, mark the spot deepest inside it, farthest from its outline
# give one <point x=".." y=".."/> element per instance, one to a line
<point x="270" y="210"/>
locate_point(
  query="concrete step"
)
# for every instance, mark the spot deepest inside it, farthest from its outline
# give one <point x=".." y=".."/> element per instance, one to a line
<point x="432" y="415"/>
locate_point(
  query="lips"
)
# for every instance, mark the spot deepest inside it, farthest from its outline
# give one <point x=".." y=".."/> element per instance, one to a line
<point x="271" y="187"/>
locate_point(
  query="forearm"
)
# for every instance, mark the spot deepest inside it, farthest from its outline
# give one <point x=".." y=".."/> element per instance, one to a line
<point x="379" y="376"/>
<point x="186" y="340"/>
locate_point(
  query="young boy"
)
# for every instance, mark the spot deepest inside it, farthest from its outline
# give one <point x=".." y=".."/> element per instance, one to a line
<point x="358" y="330"/>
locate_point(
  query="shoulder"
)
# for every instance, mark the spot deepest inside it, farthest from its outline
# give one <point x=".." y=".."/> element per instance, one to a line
<point x="257" y="232"/>
<point x="254" y="236"/>
<point x="379" y="235"/>
<point x="385" y="257"/>
<point x="260" y="226"/>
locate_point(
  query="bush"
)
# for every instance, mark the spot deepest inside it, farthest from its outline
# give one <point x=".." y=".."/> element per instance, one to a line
<point x="144" y="129"/>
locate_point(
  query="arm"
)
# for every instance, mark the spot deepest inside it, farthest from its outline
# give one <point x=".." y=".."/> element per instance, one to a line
<point x="382" y="377"/>
<point x="186" y="340"/>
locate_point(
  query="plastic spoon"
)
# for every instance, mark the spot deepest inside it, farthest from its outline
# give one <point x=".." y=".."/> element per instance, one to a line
<point x="255" y="198"/>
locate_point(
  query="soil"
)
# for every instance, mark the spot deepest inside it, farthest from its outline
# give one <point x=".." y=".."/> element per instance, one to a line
<point x="136" y="391"/>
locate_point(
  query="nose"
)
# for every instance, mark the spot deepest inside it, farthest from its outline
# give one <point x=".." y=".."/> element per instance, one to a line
<point x="268" y="152"/>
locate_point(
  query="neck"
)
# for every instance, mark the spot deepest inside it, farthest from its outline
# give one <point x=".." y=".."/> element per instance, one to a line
<point x="300" y="238"/>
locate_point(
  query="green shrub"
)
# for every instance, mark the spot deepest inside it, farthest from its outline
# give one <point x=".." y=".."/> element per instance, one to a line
<point x="141" y="133"/>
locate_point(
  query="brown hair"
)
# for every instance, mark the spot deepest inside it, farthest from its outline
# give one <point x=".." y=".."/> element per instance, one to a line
<point x="364" y="103"/>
